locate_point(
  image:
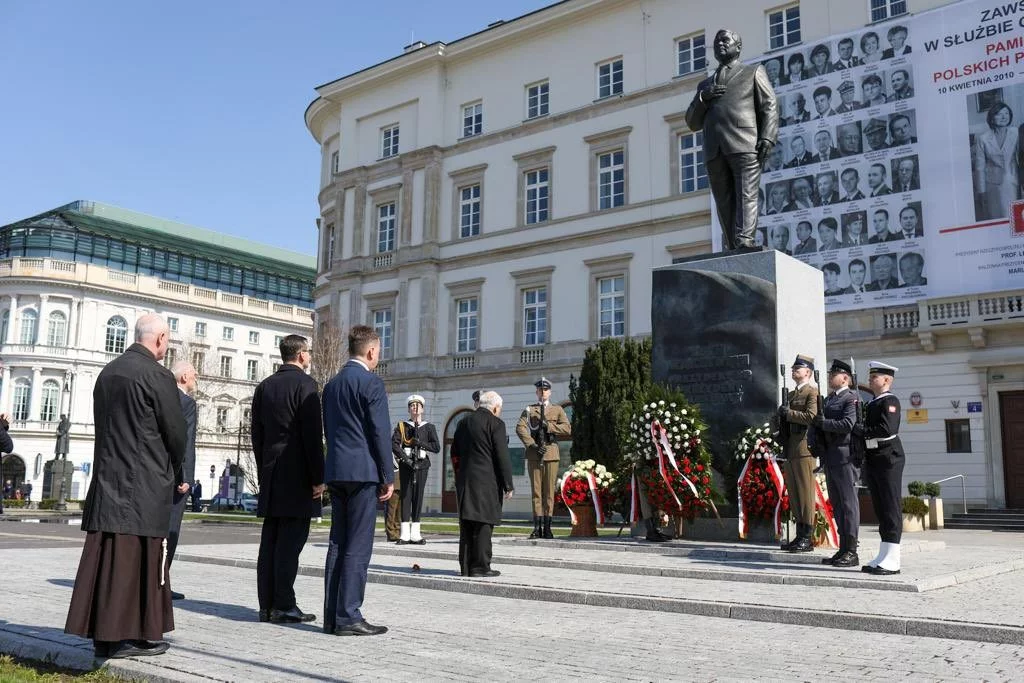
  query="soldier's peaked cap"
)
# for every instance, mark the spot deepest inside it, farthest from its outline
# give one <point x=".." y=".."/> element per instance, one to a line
<point x="846" y="86"/>
<point x="880" y="368"/>
<point x="542" y="383"/>
<point x="873" y="125"/>
<point x="803" y="361"/>
<point x="840" y="366"/>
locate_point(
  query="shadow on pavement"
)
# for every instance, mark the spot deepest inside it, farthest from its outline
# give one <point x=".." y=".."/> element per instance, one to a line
<point x="66" y="583"/>
<point x="218" y="609"/>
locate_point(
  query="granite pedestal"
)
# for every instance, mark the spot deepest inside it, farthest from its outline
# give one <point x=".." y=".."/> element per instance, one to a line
<point x="722" y="324"/>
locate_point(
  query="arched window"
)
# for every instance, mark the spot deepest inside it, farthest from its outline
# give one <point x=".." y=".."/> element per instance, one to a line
<point x="57" y="330"/>
<point x="117" y="335"/>
<point x="27" y="333"/>
<point x="50" y="401"/>
<point x="22" y="397"/>
<point x="5" y="321"/>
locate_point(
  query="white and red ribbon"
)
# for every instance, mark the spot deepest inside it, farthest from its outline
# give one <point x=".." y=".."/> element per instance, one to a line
<point x="775" y="474"/>
<point x="826" y="509"/>
<point x="664" y="448"/>
<point x="565" y="480"/>
<point x="634" y="499"/>
<point x="595" y="496"/>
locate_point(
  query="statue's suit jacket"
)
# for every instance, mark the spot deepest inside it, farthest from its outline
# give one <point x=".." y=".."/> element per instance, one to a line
<point x="746" y="113"/>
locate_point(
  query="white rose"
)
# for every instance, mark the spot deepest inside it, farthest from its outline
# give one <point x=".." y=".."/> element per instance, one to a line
<point x="661" y="403"/>
<point x="671" y="405"/>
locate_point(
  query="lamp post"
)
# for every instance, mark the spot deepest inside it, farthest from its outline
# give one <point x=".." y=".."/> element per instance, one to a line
<point x="213" y="480"/>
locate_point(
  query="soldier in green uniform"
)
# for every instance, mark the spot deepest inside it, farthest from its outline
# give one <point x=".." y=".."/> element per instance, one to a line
<point x="539" y="425"/>
<point x="799" y="468"/>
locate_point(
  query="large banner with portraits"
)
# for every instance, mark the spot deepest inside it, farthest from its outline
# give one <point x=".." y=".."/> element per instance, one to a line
<point x="899" y="159"/>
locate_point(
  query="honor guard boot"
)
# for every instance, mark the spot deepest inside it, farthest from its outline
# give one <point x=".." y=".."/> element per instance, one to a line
<point x="838" y="553"/>
<point x="415" y="536"/>
<point x="537" y="533"/>
<point x="803" y="543"/>
<point x="654" y="534"/>
<point x="799" y="532"/>
<point x="889" y="562"/>
<point x="848" y="558"/>
<point x="406" y="536"/>
<point x="547" y="527"/>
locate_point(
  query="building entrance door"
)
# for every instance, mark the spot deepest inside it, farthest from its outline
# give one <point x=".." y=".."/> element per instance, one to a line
<point x="1011" y="417"/>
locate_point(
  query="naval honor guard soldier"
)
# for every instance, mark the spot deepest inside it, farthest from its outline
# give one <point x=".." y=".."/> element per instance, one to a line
<point x="883" y="466"/>
<point x="799" y="469"/>
<point x="539" y="425"/>
<point x="832" y="441"/>
<point x="412" y="442"/>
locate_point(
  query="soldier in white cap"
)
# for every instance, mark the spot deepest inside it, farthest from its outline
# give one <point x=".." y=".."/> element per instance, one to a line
<point x="539" y="426"/>
<point x="411" y="443"/>
<point x="883" y="466"/>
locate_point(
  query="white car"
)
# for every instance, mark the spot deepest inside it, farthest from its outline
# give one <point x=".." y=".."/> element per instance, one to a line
<point x="249" y="502"/>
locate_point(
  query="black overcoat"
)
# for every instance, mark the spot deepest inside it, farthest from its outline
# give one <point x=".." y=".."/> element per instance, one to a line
<point x="187" y="472"/>
<point x="484" y="473"/>
<point x="287" y="440"/>
<point x="140" y="442"/>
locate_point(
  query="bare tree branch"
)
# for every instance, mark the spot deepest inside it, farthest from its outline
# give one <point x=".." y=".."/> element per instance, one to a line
<point x="329" y="351"/>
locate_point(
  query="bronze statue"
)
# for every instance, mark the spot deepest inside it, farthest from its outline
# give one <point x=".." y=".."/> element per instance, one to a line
<point x="737" y="111"/>
<point x="63" y="440"/>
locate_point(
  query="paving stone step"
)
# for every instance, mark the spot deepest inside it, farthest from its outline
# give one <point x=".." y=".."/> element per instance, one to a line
<point x="990" y="526"/>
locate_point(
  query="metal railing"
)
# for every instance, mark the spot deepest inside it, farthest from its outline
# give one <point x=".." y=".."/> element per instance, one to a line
<point x="963" y="487"/>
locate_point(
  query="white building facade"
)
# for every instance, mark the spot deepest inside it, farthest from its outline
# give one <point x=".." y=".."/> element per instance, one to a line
<point x="495" y="205"/>
<point x="74" y="280"/>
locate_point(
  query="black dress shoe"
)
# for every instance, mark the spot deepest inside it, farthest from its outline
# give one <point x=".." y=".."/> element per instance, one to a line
<point x="292" y="616"/>
<point x="422" y="541"/>
<point x="867" y="568"/>
<point x="177" y="596"/>
<point x="656" y="538"/>
<point x="847" y="559"/>
<point x="835" y="556"/>
<point x="489" y="572"/>
<point x="361" y="628"/>
<point x="802" y="545"/>
<point x="137" y="648"/>
<point x="101" y="648"/>
<point x="264" y="616"/>
<point x="879" y="571"/>
<point x="402" y="542"/>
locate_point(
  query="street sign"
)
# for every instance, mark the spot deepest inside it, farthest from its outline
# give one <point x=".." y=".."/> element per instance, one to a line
<point x="86" y="466"/>
<point x="974" y="406"/>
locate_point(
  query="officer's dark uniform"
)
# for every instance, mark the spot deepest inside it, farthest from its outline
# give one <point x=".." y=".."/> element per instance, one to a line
<point x="833" y="442"/>
<point x="883" y="471"/>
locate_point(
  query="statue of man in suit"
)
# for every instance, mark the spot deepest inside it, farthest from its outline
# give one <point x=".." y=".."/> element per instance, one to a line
<point x="737" y="111"/>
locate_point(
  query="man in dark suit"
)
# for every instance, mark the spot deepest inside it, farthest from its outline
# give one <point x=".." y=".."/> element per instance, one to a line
<point x="359" y="472"/>
<point x="737" y="111"/>
<point x="904" y="176"/>
<point x="846" y="60"/>
<point x="287" y="439"/>
<point x="185" y="376"/>
<point x="483" y="479"/>
<point x="882" y="275"/>
<point x="823" y="143"/>
<point x="140" y="438"/>
<point x="806" y="244"/>
<point x="800" y="155"/>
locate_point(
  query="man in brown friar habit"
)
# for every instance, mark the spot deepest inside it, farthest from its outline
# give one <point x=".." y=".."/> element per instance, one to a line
<point x="122" y="594"/>
<point x="411" y="444"/>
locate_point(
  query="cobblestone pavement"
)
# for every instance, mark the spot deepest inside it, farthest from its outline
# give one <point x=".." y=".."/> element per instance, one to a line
<point x="446" y="636"/>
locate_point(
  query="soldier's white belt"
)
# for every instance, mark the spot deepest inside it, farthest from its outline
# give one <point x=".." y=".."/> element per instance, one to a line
<point x="872" y="444"/>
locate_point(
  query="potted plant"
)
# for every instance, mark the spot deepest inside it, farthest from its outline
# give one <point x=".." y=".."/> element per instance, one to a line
<point x="914" y="511"/>
<point x="935" y="517"/>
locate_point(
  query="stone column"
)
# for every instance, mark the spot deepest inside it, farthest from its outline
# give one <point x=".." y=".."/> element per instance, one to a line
<point x="43" y="299"/>
<point x="359" y="219"/>
<point x="431" y="201"/>
<point x="11" y="319"/>
<point x="71" y="338"/>
<point x="35" y="394"/>
<point x="6" y="391"/>
<point x="405" y="225"/>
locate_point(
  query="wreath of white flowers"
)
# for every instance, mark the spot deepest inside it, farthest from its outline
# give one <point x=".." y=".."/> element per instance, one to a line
<point x="759" y="442"/>
<point x="680" y="425"/>
<point x="580" y="468"/>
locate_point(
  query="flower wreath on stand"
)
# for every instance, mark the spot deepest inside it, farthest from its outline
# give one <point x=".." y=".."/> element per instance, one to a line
<point x="825" y="532"/>
<point x="664" y="448"/>
<point x="586" y="481"/>
<point x="760" y="488"/>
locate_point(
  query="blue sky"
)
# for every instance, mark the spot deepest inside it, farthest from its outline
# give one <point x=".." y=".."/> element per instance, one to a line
<point x="192" y="110"/>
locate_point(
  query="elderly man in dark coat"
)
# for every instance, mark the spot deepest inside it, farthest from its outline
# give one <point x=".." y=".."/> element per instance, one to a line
<point x="830" y="440"/>
<point x="287" y="438"/>
<point x="122" y="595"/>
<point x="185" y="377"/>
<point x="483" y="478"/>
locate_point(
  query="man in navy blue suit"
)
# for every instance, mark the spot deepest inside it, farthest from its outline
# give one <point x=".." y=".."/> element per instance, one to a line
<point x="359" y="472"/>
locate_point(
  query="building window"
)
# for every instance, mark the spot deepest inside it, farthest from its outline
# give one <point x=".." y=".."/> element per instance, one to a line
<point x="228" y="334"/>
<point x="254" y="337"/>
<point x="275" y="366"/>
<point x="222" y="419"/>
<point x="386" y="228"/>
<point x="886" y="9"/>
<point x="535" y="316"/>
<point x="252" y="370"/>
<point x="692" y="173"/>
<point x="57" y="329"/>
<point x="472" y="119"/>
<point x="22" y="396"/>
<point x="27" y="331"/>
<point x="170" y="357"/>
<point x="611" y="306"/>
<point x="199" y="362"/>
<point x="537" y="100"/>
<point x="50" y="401"/>
<point x="335" y="161"/>
<point x="247" y="417"/>
<point x="388" y="141"/>
<point x="329" y="247"/>
<point x="469" y="211"/>
<point x="382" y="326"/>
<point x="467" y="324"/>
<point x="200" y="330"/>
<point x="783" y="27"/>
<point x="609" y="78"/>
<point x="611" y="179"/>
<point x="225" y="366"/>
<point x="537" y="198"/>
<point x="117" y="335"/>
<point x="690" y="55"/>
<point x="172" y="324"/>
<point x="5" y="321"/>
<point x="958" y="436"/>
